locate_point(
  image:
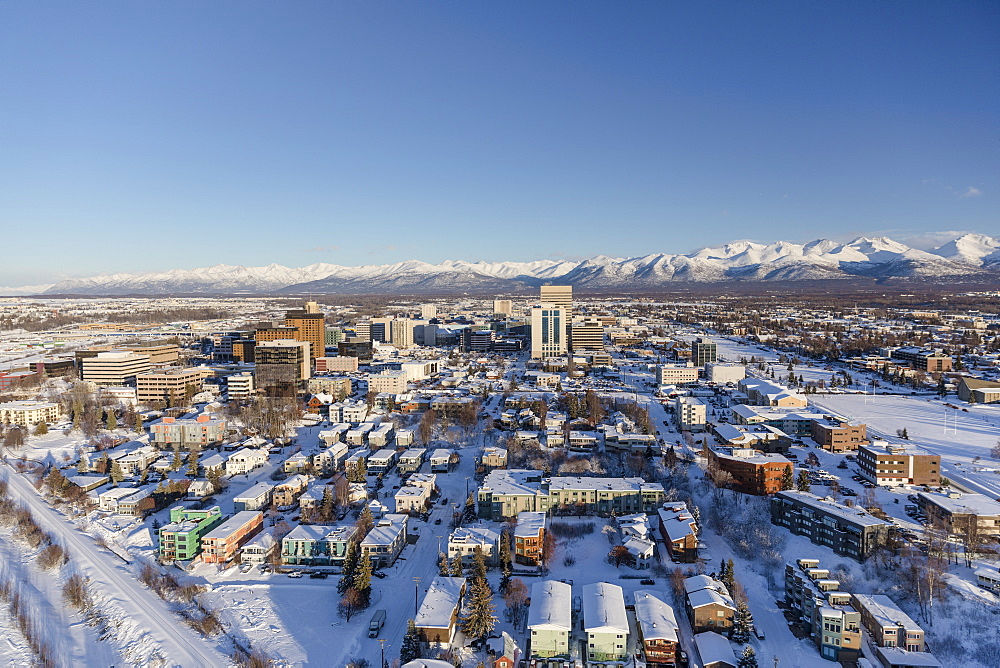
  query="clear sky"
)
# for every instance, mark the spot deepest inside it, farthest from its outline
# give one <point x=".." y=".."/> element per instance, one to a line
<point x="155" y="135"/>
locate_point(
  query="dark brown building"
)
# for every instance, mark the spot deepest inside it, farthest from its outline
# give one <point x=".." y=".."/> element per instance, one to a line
<point x="897" y="464"/>
<point x="836" y="435"/>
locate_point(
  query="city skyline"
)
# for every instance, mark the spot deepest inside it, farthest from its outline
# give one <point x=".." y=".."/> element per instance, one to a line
<point x="453" y="132"/>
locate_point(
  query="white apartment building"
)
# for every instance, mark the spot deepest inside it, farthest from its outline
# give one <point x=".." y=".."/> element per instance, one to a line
<point x="691" y="413"/>
<point x="718" y="372"/>
<point x="240" y="386"/>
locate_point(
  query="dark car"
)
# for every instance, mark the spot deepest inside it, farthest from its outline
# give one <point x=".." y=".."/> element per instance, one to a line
<point x="319" y="575"/>
<point x="647" y="582"/>
<point x="437" y="521"/>
<point x="380" y="574"/>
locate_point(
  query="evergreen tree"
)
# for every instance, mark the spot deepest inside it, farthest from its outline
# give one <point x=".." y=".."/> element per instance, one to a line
<point x="479" y="619"/>
<point x="787" y="480"/>
<point x="478" y="568"/>
<point x="111" y="419"/>
<point x="326" y="506"/>
<point x="802" y="482"/>
<point x="116" y="472"/>
<point x="729" y="579"/>
<point x="456" y="566"/>
<point x="41" y="428"/>
<point x="365" y="522"/>
<point x="742" y="624"/>
<point x="351" y="558"/>
<point x="363" y="580"/>
<point x="81" y="466"/>
<point x="138" y="423"/>
<point x="410" y="648"/>
<point x="748" y="659"/>
<point x="177" y="462"/>
<point x="443" y="565"/>
<point x="192" y="464"/>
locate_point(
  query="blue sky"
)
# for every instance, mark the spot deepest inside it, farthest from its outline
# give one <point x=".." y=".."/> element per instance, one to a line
<point x="155" y="135"/>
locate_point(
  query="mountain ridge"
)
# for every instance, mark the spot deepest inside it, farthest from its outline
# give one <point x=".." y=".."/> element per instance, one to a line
<point x="968" y="256"/>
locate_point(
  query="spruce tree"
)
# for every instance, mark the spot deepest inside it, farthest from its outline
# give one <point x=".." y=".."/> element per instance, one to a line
<point x="787" y="480"/>
<point x="443" y="565"/>
<point x="192" y="464"/>
<point x="748" y="659"/>
<point x="410" y="648"/>
<point x="349" y="567"/>
<point x="116" y="472"/>
<point x="363" y="580"/>
<point x="365" y="522"/>
<point x="742" y="624"/>
<point x="729" y="579"/>
<point x="177" y="462"/>
<point x="111" y="420"/>
<point x="478" y="568"/>
<point x="41" y="428"/>
<point x="456" y="566"/>
<point x="802" y="482"/>
<point x="479" y="619"/>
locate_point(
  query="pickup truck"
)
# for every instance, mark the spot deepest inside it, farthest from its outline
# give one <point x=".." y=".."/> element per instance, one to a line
<point x="375" y="625"/>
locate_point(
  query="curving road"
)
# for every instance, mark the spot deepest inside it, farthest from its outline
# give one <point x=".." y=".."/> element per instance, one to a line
<point x="176" y="642"/>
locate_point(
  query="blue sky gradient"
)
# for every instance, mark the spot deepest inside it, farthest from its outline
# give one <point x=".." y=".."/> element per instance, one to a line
<point x="146" y="136"/>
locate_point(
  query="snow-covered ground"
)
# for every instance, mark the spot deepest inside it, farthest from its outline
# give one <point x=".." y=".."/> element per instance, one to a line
<point x="144" y="621"/>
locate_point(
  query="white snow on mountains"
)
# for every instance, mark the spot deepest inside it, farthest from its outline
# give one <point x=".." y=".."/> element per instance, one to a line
<point x="969" y="256"/>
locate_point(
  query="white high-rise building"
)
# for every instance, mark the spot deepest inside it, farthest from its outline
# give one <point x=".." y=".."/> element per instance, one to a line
<point x="503" y="307"/>
<point x="428" y="311"/>
<point x="548" y="332"/>
<point x="401" y="333"/>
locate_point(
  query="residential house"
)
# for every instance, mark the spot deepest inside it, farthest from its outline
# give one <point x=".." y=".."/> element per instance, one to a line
<point x="329" y="461"/>
<point x="715" y="650"/>
<point x="412" y="499"/>
<point x="259" y="549"/>
<point x="437" y="617"/>
<point x="386" y="540"/>
<point x="300" y="462"/>
<point x="529" y="537"/>
<point x="411" y="460"/>
<point x="679" y="532"/>
<point x="202" y="431"/>
<point x="381" y="461"/>
<point x="887" y="625"/>
<point x="708" y="604"/>
<point x="605" y="622"/>
<point x="658" y="629"/>
<point x="257" y="497"/>
<point x="286" y="493"/>
<point x="245" y="461"/>
<point x="463" y="542"/>
<point x="440" y="461"/>
<point x="550" y="619"/>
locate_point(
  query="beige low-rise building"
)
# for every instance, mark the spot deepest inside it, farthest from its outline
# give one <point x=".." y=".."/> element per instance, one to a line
<point x="170" y="386"/>
<point x="114" y="368"/>
<point x="29" y="413"/>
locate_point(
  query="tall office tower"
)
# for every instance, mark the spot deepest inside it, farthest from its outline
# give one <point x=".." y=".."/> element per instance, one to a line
<point x="381" y="329"/>
<point x="548" y="332"/>
<point x="401" y="333"/>
<point x="503" y="307"/>
<point x="588" y="335"/>
<point x="560" y="296"/>
<point x="703" y="352"/>
<point x="281" y="367"/>
<point x="311" y="327"/>
<point x="363" y="329"/>
<point x="428" y="311"/>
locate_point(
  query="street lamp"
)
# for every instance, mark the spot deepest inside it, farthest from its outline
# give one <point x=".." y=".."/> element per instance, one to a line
<point x="382" y="641"/>
<point x="416" y="593"/>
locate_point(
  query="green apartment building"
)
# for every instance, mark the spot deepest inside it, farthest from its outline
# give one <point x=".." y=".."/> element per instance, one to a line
<point x="550" y="619"/>
<point x="181" y="539"/>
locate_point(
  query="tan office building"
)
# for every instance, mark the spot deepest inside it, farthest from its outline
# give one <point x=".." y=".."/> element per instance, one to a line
<point x="115" y="368"/>
<point x="167" y="385"/>
<point x="310" y="326"/>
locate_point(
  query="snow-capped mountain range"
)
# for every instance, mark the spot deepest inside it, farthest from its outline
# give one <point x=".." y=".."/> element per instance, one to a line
<point x="967" y="257"/>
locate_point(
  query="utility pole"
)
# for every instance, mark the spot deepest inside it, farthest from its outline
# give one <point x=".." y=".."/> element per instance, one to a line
<point x="416" y="592"/>
<point x="382" y="642"/>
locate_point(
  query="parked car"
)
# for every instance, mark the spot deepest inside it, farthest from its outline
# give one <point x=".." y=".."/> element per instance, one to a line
<point x="319" y="575"/>
<point x="295" y="574"/>
<point x="437" y="521"/>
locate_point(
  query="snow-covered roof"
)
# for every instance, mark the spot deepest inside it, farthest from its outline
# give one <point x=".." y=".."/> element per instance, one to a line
<point x="551" y="606"/>
<point x="639" y="546"/>
<point x="714" y="648"/>
<point x="440" y="601"/>
<point x="656" y="619"/>
<point x="529" y="524"/>
<point x="604" y="608"/>
<point x="900" y="657"/>
<point x="428" y="663"/>
<point x="225" y="529"/>
<point x="854" y="515"/>
<point x="254" y="492"/>
<point x="972" y="504"/>
<point x="886" y="612"/>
